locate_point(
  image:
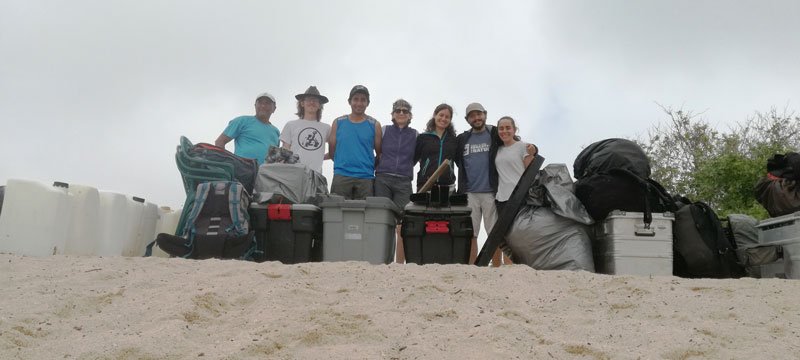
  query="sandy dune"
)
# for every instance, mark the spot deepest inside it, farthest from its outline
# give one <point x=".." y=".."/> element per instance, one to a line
<point x="154" y="308"/>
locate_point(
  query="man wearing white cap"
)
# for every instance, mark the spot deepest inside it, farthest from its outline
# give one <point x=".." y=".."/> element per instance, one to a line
<point x="477" y="174"/>
<point x="253" y="135"/>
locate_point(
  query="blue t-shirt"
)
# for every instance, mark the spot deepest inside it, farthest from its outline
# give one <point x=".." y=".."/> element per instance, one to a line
<point x="476" y="162"/>
<point x="252" y="138"/>
<point x="355" y="148"/>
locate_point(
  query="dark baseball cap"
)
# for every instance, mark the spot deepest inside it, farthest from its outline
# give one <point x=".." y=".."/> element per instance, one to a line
<point x="358" y="89"/>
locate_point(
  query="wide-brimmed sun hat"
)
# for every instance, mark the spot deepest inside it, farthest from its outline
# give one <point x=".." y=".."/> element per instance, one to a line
<point x="312" y="91"/>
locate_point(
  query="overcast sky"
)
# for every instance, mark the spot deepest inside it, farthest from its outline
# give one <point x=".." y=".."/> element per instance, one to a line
<point x="99" y="92"/>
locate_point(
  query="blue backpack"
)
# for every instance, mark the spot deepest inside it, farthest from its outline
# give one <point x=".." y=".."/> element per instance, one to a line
<point x="218" y="225"/>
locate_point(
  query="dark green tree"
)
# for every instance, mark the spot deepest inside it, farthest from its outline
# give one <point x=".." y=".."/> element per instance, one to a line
<point x="691" y="157"/>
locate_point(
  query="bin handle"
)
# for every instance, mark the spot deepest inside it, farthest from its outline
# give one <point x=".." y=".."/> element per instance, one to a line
<point x="353" y="207"/>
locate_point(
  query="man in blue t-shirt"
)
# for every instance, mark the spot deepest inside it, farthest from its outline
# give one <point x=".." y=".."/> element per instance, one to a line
<point x="354" y="142"/>
<point x="253" y="135"/>
<point x="477" y="174"/>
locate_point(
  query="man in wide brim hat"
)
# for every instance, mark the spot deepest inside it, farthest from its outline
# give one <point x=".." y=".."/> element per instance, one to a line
<point x="312" y="92"/>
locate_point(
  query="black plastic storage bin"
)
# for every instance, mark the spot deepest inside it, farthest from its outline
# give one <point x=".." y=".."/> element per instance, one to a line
<point x="440" y="235"/>
<point x="289" y="233"/>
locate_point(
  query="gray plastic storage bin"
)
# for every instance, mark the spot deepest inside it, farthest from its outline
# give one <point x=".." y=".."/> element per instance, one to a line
<point x="358" y="230"/>
<point x="783" y="231"/>
<point x="623" y="246"/>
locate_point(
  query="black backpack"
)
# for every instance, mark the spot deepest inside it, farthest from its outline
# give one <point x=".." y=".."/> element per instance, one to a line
<point x="218" y="225"/>
<point x="700" y="247"/>
<point x="614" y="174"/>
<point x="604" y="155"/>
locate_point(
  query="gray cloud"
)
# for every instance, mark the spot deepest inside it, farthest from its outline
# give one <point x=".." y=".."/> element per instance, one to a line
<point x="98" y="92"/>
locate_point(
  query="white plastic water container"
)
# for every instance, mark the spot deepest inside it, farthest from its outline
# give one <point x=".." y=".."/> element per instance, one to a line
<point x="84" y="230"/>
<point x="132" y="238"/>
<point x="146" y="229"/>
<point x="113" y="222"/>
<point x="35" y="218"/>
<point x="167" y="223"/>
<point x="167" y="220"/>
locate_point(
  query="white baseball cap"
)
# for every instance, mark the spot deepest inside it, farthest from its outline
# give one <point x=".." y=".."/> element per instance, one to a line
<point x="266" y="95"/>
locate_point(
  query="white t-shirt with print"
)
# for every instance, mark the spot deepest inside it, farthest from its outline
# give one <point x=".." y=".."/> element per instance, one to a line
<point x="509" y="168"/>
<point x="307" y="139"/>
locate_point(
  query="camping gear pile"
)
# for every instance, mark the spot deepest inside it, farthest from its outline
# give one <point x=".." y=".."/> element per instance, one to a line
<point x="615" y="219"/>
<point x="214" y="222"/>
<point x="237" y="210"/>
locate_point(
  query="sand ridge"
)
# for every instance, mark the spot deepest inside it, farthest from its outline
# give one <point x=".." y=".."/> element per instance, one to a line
<point x="155" y="308"/>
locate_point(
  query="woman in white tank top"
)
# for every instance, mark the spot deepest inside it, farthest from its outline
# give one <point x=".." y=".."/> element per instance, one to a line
<point x="513" y="156"/>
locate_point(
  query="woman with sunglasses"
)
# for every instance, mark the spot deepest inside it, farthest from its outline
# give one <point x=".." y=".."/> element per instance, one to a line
<point x="395" y="167"/>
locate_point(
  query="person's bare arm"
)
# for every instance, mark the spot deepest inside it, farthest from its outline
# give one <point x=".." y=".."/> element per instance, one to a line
<point x="332" y="140"/>
<point x="378" y="139"/>
<point x="222" y="140"/>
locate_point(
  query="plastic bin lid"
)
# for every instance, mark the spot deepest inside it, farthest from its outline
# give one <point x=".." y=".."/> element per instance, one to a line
<point x="302" y="207"/>
<point x="422" y="209"/>
<point x="639" y="215"/>
<point x="778" y="220"/>
<point x="331" y="201"/>
<point x="371" y="202"/>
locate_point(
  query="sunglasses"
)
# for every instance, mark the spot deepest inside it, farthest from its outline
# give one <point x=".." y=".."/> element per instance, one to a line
<point x="401" y="111"/>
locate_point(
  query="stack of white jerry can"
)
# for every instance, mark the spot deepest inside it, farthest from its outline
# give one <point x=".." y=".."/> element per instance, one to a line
<point x="38" y="219"/>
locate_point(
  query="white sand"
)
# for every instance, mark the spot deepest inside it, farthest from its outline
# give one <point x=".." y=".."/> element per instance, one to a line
<point x="154" y="308"/>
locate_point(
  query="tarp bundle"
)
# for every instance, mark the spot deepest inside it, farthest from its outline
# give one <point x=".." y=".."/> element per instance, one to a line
<point x="749" y="250"/>
<point x="290" y="183"/>
<point x="551" y="232"/>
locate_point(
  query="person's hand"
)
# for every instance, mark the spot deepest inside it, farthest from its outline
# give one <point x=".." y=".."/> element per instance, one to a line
<point x="531" y="149"/>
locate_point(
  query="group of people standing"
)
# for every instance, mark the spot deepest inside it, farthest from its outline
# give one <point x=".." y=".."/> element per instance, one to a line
<point x="374" y="160"/>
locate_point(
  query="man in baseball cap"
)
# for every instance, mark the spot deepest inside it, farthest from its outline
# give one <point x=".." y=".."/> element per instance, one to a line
<point x="354" y="143"/>
<point x="253" y="134"/>
<point x="476" y="152"/>
<point x="358" y="89"/>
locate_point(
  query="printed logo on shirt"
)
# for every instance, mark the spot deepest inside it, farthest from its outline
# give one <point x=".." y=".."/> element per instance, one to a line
<point x="476" y="148"/>
<point x="310" y="139"/>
